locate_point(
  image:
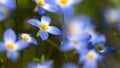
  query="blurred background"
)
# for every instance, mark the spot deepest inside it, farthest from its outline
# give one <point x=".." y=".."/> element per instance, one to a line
<point x="50" y="48"/>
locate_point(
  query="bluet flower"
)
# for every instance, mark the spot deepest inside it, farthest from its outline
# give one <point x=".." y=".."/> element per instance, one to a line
<point x="77" y="43"/>
<point x="44" y="27"/>
<point x="11" y="46"/>
<point x="90" y="59"/>
<point x="45" y="64"/>
<point x="42" y="6"/>
<point x="28" y="38"/>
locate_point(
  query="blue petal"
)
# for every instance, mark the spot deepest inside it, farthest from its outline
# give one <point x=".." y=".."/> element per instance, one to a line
<point x="46" y="19"/>
<point x="9" y="35"/>
<point x="2" y="16"/>
<point x="13" y="55"/>
<point x="43" y="34"/>
<point x="76" y="1"/>
<point x="22" y="44"/>
<point x="110" y="49"/>
<point x="52" y="8"/>
<point x="70" y="65"/>
<point x="65" y="46"/>
<point x="40" y="10"/>
<point x="2" y="46"/>
<point x="34" y="41"/>
<point x="9" y="3"/>
<point x="54" y="30"/>
<point x="68" y="13"/>
<point x="90" y="64"/>
<point x="47" y="64"/>
<point x="32" y="65"/>
<point x="34" y="22"/>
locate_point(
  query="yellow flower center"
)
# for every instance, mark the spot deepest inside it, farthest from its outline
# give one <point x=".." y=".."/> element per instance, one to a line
<point x="44" y="26"/>
<point x="72" y="29"/>
<point x="10" y="46"/>
<point x="41" y="3"/>
<point x="25" y="38"/>
<point x="91" y="56"/>
<point x="64" y="2"/>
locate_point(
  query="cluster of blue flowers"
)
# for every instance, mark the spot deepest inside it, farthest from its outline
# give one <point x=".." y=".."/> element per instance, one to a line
<point x="79" y="34"/>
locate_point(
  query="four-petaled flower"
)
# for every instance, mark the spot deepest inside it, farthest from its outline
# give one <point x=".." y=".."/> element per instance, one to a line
<point x="11" y="46"/>
<point x="28" y="38"/>
<point x="44" y="27"/>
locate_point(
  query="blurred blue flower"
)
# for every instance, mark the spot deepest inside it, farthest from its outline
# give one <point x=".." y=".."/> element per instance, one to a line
<point x="5" y="8"/>
<point x="45" y="64"/>
<point x="65" y="6"/>
<point x="70" y="65"/>
<point x="42" y="6"/>
<point x="28" y="38"/>
<point x="111" y="17"/>
<point x="90" y="59"/>
<point x="44" y="27"/>
<point x="77" y="43"/>
<point x="80" y="25"/>
<point x="11" y="46"/>
<point x="99" y="44"/>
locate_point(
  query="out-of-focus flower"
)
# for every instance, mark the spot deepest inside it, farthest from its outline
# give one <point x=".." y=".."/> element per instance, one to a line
<point x="99" y="44"/>
<point x="70" y="65"/>
<point x="42" y="6"/>
<point x="44" y="27"/>
<point x="91" y="58"/>
<point x="6" y="6"/>
<point x="65" y="6"/>
<point x="28" y="38"/>
<point x="77" y="43"/>
<point x="11" y="46"/>
<point x="80" y="25"/>
<point x="112" y="17"/>
<point x="45" y="64"/>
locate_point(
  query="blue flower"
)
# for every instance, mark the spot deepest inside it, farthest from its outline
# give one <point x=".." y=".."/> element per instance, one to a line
<point x="28" y="38"/>
<point x="5" y="8"/>
<point x="42" y="6"/>
<point x="65" y="6"/>
<point x="99" y="44"/>
<point x="80" y="25"/>
<point x="11" y="46"/>
<point x="70" y="65"/>
<point x="44" y="27"/>
<point x="111" y="18"/>
<point x="77" y="43"/>
<point x="91" y="58"/>
<point x="45" y="64"/>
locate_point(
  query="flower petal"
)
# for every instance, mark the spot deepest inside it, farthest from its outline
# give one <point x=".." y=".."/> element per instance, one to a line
<point x="70" y="65"/>
<point x="68" y="13"/>
<point x="46" y="19"/>
<point x="9" y="35"/>
<point x="54" y="30"/>
<point x="51" y="8"/>
<point x="90" y="64"/>
<point x="13" y="55"/>
<point x="2" y="16"/>
<point x="40" y="10"/>
<point x="34" y="41"/>
<point x="9" y="3"/>
<point x="22" y="44"/>
<point x="34" y="22"/>
<point x="43" y="35"/>
<point x="65" y="46"/>
<point x="2" y="46"/>
<point x="109" y="49"/>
